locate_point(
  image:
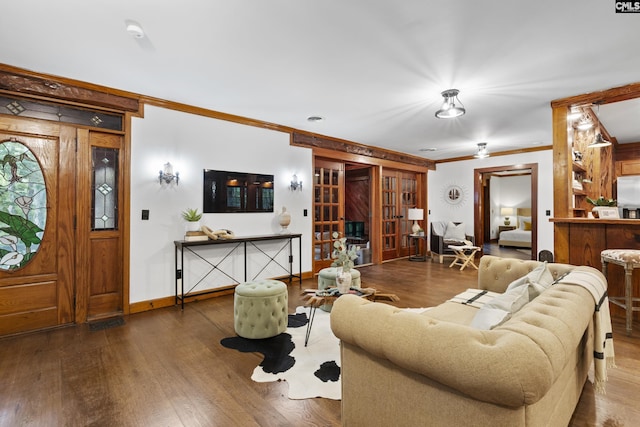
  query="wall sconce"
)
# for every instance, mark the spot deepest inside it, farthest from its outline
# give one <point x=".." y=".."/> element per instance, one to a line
<point x="167" y="175"/>
<point x="295" y="184"/>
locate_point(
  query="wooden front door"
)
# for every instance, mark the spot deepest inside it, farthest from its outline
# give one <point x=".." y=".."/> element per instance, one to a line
<point x="37" y="207"/>
<point x="328" y="209"/>
<point x="399" y="194"/>
<point x="100" y="226"/>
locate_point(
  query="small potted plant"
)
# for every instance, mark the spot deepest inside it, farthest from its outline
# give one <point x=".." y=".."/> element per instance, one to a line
<point x="599" y="203"/>
<point x="192" y="216"/>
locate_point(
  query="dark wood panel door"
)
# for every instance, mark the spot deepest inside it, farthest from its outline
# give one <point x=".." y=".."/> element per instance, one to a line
<point x="37" y="201"/>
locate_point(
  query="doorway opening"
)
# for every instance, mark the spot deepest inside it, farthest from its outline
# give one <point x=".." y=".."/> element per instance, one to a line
<point x="507" y="202"/>
<point x="357" y="209"/>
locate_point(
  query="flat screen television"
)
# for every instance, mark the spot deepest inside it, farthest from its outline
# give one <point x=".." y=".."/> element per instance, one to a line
<point x="226" y="192"/>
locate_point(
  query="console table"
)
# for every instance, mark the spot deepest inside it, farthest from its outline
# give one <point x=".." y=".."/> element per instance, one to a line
<point x="181" y="246"/>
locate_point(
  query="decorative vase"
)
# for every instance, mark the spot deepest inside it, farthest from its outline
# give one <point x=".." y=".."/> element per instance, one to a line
<point x="192" y="226"/>
<point x="284" y="219"/>
<point x="343" y="280"/>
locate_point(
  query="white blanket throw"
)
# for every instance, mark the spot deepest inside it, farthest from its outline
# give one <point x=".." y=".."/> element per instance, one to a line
<point x="603" y="355"/>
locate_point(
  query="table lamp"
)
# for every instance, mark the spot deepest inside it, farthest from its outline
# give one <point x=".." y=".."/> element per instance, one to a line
<point x="504" y="211"/>
<point x="415" y="215"/>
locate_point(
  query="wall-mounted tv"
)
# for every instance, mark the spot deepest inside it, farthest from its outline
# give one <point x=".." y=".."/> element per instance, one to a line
<point x="237" y="192"/>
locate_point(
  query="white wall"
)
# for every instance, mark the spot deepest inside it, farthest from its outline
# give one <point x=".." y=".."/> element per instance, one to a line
<point x="193" y="143"/>
<point x="461" y="173"/>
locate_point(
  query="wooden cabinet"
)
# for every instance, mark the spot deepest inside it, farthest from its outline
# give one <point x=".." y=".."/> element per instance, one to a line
<point x="579" y="241"/>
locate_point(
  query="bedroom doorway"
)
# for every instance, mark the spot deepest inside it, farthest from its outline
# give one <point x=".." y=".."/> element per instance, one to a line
<point x="487" y="206"/>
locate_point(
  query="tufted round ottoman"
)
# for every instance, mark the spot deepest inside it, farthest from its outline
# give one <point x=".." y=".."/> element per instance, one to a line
<point x="260" y="309"/>
<point x="327" y="279"/>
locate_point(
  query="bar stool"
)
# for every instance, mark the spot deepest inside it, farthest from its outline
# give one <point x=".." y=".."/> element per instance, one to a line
<point x="629" y="259"/>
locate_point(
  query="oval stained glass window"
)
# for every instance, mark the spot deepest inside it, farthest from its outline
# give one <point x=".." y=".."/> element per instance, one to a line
<point x="23" y="205"/>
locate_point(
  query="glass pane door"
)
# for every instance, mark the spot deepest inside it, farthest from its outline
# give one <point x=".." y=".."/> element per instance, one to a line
<point x="390" y="215"/>
<point x="328" y="209"/>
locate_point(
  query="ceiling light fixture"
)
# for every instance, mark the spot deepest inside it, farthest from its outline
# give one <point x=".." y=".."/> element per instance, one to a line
<point x="482" y="151"/>
<point x="574" y="114"/>
<point x="315" y="119"/>
<point x="134" y="29"/>
<point x="584" y="124"/>
<point x="599" y="141"/>
<point x="449" y="109"/>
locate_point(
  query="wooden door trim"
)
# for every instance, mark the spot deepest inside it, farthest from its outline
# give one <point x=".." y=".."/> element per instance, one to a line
<point x="83" y="218"/>
<point x="478" y="207"/>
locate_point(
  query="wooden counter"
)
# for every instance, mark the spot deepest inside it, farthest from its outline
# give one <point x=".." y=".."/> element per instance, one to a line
<point x="579" y="241"/>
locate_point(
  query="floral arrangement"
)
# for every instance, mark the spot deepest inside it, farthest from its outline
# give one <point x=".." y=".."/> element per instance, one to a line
<point x="601" y="201"/>
<point x="342" y="255"/>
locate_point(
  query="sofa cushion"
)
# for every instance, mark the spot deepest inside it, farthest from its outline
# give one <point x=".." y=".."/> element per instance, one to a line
<point x="455" y="232"/>
<point x="536" y="281"/>
<point x="518" y="293"/>
<point x="501" y="308"/>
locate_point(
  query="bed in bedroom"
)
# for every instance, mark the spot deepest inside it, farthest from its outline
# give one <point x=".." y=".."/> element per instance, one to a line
<point x="521" y="236"/>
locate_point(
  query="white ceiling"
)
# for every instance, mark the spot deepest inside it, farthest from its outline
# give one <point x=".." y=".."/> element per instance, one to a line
<point x="374" y="69"/>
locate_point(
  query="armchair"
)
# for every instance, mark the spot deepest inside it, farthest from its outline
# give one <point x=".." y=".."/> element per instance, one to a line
<point x="444" y="234"/>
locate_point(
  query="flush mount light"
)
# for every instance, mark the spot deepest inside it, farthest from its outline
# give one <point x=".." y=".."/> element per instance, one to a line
<point x="134" y="29"/>
<point x="428" y="149"/>
<point x="584" y="125"/>
<point x="574" y="114"/>
<point x="482" y="151"/>
<point x="449" y="109"/>
<point x="315" y="119"/>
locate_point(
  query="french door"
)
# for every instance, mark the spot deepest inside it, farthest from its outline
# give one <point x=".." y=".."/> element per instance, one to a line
<point x="328" y="209"/>
<point x="399" y="193"/>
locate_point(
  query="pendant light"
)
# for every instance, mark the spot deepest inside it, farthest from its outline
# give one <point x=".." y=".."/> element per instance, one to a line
<point x="598" y="140"/>
<point x="449" y="108"/>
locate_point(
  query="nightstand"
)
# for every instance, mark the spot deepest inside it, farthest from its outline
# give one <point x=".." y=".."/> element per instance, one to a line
<point x="502" y="228"/>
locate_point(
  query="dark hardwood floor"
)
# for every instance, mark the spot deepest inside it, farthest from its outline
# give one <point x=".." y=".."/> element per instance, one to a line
<point x="167" y="368"/>
<point x="492" y="248"/>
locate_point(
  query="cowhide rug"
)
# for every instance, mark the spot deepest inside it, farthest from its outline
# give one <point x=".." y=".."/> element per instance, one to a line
<point x="312" y="371"/>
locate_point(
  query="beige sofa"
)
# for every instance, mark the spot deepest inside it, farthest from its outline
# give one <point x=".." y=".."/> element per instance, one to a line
<point x="406" y="368"/>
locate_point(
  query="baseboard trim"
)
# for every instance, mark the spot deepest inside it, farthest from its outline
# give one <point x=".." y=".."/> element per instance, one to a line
<point x="142" y="306"/>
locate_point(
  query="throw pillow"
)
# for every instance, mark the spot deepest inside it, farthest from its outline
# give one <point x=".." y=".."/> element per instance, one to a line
<point x="455" y="232"/>
<point x="536" y="281"/>
<point x="527" y="226"/>
<point x="501" y="308"/>
<point x="522" y="220"/>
